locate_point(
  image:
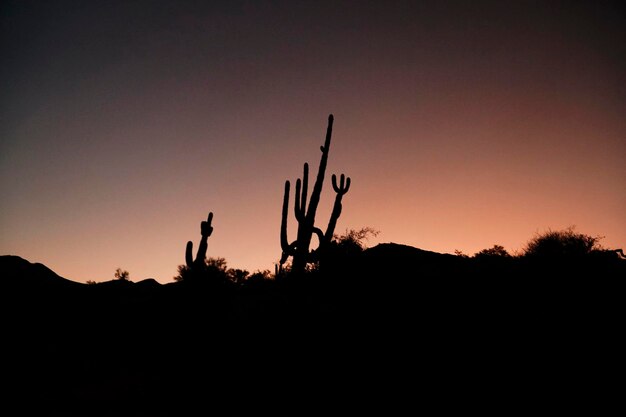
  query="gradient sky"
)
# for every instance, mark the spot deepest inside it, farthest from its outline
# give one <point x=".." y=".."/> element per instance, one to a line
<point x="461" y="124"/>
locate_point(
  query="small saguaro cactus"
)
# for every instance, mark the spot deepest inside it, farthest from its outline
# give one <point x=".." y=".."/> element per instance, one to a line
<point x="205" y="230"/>
<point x="299" y="249"/>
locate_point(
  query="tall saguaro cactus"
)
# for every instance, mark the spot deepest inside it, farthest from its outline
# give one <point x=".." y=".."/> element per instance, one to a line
<point x="299" y="249"/>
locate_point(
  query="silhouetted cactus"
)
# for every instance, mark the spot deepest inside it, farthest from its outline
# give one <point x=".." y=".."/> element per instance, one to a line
<point x="299" y="249"/>
<point x="205" y="231"/>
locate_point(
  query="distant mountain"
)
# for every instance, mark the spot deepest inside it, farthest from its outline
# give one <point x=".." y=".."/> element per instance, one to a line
<point x="18" y="273"/>
<point x="396" y="250"/>
<point x="398" y="256"/>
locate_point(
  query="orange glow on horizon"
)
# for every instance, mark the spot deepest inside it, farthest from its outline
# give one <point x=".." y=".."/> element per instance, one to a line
<point x="460" y="128"/>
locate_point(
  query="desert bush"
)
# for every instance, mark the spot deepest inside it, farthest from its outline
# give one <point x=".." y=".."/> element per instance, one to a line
<point x="355" y="240"/>
<point x="562" y="244"/>
<point x="213" y="270"/>
<point x="121" y="274"/>
<point x="497" y="251"/>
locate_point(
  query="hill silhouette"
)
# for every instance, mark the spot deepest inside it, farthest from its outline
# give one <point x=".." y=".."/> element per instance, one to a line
<point x="18" y="273"/>
<point x="448" y="323"/>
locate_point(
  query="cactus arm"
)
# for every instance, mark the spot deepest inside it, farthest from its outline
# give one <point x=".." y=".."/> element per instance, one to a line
<point x="284" y="244"/>
<point x="301" y="195"/>
<point x="288" y="251"/>
<point x="341" y="190"/>
<point x="188" y="255"/>
<point x="320" y="234"/>
<point x="297" y="207"/>
<point x="344" y="184"/>
<point x="314" y="255"/>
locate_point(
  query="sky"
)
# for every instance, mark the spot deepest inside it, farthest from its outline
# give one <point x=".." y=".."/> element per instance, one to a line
<point x="461" y="125"/>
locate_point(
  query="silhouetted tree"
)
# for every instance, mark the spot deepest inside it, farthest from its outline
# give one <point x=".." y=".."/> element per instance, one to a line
<point x="356" y="239"/>
<point x="299" y="249"/>
<point x="343" y="248"/>
<point x="238" y="276"/>
<point x="495" y="251"/>
<point x="212" y="270"/>
<point x="121" y="274"/>
<point x="182" y="273"/>
<point x="566" y="243"/>
<point x="258" y="277"/>
<point x="261" y="274"/>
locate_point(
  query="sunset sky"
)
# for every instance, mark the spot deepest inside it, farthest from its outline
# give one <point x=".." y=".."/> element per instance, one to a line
<point x="461" y="124"/>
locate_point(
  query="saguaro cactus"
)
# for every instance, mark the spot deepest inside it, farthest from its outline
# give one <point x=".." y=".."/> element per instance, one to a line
<point x="205" y="231"/>
<point x="299" y="249"/>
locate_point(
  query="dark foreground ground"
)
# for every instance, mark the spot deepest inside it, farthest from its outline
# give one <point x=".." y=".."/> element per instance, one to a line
<point x="395" y="331"/>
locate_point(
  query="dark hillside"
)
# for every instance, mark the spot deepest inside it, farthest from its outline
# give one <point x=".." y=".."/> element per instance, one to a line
<point x="472" y="328"/>
<point x="20" y="275"/>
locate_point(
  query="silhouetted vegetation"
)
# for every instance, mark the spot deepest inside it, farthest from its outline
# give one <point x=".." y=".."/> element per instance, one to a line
<point x="122" y="275"/>
<point x="212" y="270"/>
<point x="495" y="251"/>
<point x="558" y="244"/>
<point x="355" y="240"/>
<point x="215" y="270"/>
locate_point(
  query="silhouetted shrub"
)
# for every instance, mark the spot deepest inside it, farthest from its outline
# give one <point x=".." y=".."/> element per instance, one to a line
<point x="496" y="251"/>
<point x="342" y="250"/>
<point x="555" y="244"/>
<point x="121" y="274"/>
<point x="354" y="240"/>
<point x="214" y="270"/>
<point x="259" y="277"/>
<point x="238" y="276"/>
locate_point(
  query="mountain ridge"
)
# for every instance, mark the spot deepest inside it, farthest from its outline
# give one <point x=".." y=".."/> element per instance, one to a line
<point x="17" y="267"/>
<point x="178" y="349"/>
